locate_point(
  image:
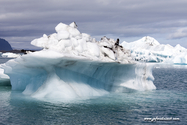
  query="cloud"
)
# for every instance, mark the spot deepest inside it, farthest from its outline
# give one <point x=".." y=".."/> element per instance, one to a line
<point x="127" y="18"/>
<point x="180" y="33"/>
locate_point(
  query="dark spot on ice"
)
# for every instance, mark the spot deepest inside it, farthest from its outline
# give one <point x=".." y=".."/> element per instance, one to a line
<point x="117" y="42"/>
<point x="105" y="37"/>
<point x="105" y="55"/>
<point x="107" y="47"/>
<point x="69" y="63"/>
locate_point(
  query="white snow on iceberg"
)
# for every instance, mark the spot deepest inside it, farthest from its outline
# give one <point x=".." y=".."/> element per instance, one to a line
<point x="74" y="65"/>
<point x="68" y="40"/>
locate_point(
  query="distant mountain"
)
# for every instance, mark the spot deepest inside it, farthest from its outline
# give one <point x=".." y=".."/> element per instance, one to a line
<point x="4" y="45"/>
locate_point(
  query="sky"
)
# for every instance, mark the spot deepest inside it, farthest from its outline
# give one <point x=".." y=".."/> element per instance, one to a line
<point x="22" y="21"/>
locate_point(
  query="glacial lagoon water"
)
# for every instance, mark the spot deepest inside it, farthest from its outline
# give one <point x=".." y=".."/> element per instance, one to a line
<point x="168" y="101"/>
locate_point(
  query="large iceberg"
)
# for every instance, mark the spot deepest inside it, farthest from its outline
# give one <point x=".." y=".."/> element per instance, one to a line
<point x="75" y="65"/>
<point x="148" y="49"/>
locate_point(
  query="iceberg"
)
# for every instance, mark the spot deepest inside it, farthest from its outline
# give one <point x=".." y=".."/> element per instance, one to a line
<point x="4" y="79"/>
<point x="148" y="49"/>
<point x="75" y="65"/>
<point x="10" y="55"/>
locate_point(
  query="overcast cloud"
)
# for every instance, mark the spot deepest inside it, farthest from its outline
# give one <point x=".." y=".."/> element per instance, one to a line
<point x="21" y="21"/>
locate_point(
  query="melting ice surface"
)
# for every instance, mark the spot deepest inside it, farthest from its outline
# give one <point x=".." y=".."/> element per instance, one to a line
<point x="64" y="77"/>
<point x="74" y="65"/>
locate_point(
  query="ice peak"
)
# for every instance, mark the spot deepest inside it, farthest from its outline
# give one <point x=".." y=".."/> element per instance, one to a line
<point x="60" y="26"/>
<point x="149" y="40"/>
<point x="178" y="46"/>
<point x="73" y="24"/>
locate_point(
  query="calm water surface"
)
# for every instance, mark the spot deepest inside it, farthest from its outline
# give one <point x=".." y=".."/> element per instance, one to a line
<point x="168" y="101"/>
